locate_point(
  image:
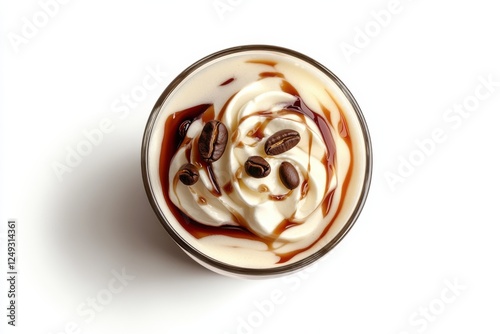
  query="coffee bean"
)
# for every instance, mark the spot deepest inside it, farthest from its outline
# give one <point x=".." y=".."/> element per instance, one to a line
<point x="289" y="175"/>
<point x="213" y="140"/>
<point x="183" y="128"/>
<point x="257" y="167"/>
<point x="188" y="174"/>
<point x="281" y="141"/>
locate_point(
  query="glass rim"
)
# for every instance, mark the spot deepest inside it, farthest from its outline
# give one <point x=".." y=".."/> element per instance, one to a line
<point x="210" y="261"/>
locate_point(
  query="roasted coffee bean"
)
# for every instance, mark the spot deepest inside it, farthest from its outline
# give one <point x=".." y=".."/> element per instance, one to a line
<point x="213" y="140"/>
<point x="188" y="174"/>
<point x="281" y="141"/>
<point x="183" y="128"/>
<point x="257" y="167"/>
<point x="289" y="175"/>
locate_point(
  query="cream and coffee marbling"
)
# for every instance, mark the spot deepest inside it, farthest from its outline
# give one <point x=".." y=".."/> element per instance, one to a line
<point x="257" y="221"/>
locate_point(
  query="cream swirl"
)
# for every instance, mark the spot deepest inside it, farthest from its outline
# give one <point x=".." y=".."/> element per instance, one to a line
<point x="218" y="213"/>
<point x="227" y="195"/>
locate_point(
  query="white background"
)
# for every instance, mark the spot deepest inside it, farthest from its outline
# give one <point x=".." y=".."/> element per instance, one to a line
<point x="436" y="227"/>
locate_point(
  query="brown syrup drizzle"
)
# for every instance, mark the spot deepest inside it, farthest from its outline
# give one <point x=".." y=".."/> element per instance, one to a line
<point x="262" y="62"/>
<point x="343" y="130"/>
<point x="228" y="81"/>
<point x="263" y="75"/>
<point x="258" y="131"/>
<point x="280" y="197"/>
<point x="283" y="226"/>
<point x="213" y="179"/>
<point x="288" y="88"/>
<point x="172" y="140"/>
<point x="228" y="187"/>
<point x="304" y="188"/>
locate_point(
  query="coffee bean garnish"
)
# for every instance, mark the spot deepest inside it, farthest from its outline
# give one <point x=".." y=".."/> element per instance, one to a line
<point x="257" y="167"/>
<point x="213" y="140"/>
<point x="183" y="128"/>
<point x="281" y="142"/>
<point x="188" y="174"/>
<point x="289" y="175"/>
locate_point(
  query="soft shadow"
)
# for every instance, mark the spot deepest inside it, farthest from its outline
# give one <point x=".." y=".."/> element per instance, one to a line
<point x="102" y="220"/>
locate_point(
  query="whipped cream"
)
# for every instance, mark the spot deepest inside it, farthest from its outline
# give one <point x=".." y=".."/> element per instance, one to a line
<point x="253" y="222"/>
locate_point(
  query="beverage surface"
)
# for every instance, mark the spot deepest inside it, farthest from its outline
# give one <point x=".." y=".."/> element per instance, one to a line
<point x="260" y="159"/>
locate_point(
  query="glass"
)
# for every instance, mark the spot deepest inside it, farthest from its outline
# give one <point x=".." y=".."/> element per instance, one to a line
<point x="151" y="179"/>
